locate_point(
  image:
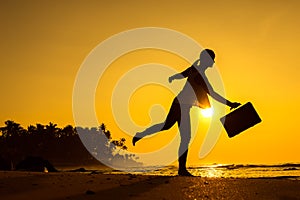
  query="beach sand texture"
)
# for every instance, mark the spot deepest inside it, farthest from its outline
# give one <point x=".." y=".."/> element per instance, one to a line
<point x="75" y="185"/>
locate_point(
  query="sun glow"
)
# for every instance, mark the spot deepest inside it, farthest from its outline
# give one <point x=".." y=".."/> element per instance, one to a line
<point x="208" y="112"/>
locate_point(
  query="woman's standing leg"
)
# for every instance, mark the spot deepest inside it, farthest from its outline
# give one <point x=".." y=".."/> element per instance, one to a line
<point x="185" y="135"/>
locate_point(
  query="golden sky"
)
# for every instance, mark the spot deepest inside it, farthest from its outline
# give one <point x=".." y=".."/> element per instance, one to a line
<point x="43" y="44"/>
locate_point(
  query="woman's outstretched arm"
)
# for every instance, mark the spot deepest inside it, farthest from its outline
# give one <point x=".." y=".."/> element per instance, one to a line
<point x="221" y="99"/>
<point x="175" y="76"/>
<point x="209" y="89"/>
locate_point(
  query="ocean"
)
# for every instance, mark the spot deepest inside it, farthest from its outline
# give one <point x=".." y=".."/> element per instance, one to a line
<point x="284" y="171"/>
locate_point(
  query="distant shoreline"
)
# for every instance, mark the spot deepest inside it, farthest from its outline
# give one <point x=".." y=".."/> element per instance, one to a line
<point x="251" y="171"/>
<point x="276" y="171"/>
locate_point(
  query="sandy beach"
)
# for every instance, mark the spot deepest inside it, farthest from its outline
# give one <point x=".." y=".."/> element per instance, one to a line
<point x="76" y="185"/>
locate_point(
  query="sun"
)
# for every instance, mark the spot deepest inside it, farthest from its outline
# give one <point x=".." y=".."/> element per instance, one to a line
<point x="208" y="112"/>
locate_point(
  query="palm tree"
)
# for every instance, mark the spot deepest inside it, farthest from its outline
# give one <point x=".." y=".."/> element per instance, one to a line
<point x="106" y="132"/>
<point x="31" y="130"/>
<point x="52" y="130"/>
<point x="40" y="129"/>
<point x="103" y="127"/>
<point x="11" y="129"/>
<point x="12" y="133"/>
<point x="68" y="131"/>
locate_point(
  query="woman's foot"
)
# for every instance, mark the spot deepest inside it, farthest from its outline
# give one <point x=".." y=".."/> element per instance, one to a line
<point x="135" y="139"/>
<point x="184" y="172"/>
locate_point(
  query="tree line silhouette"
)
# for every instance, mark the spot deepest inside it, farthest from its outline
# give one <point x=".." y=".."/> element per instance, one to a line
<point x="62" y="147"/>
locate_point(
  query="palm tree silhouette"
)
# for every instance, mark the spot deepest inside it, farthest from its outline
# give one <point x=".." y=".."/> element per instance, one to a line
<point x="53" y="130"/>
<point x="11" y="128"/>
<point x="40" y="129"/>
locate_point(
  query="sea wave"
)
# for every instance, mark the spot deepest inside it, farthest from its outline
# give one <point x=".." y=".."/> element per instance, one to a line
<point x="287" y="166"/>
<point x="277" y="171"/>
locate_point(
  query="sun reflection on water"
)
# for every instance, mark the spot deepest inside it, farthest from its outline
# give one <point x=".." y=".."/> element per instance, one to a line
<point x="212" y="172"/>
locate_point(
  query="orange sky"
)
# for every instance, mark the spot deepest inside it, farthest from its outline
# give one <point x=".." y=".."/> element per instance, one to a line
<point x="43" y="44"/>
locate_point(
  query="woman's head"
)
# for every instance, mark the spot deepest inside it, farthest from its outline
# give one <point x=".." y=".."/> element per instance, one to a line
<point x="207" y="57"/>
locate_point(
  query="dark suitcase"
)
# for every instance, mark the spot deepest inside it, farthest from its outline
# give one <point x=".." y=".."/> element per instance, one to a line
<point x="240" y="119"/>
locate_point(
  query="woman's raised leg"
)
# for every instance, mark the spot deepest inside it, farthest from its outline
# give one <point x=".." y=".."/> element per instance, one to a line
<point x="172" y="117"/>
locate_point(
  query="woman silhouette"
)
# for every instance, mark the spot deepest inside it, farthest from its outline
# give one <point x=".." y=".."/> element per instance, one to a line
<point x="194" y="93"/>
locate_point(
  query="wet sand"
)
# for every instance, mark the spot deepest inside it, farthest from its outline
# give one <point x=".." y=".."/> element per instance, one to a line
<point x="76" y="185"/>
